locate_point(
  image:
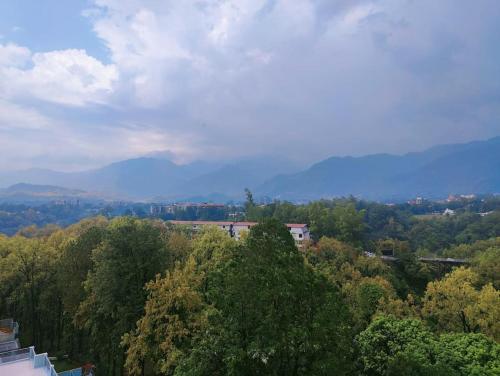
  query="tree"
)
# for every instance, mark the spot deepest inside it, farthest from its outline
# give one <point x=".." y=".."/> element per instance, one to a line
<point x="332" y="252"/>
<point x="173" y="314"/>
<point x="279" y="316"/>
<point x="469" y="354"/>
<point x="248" y="309"/>
<point x="409" y="363"/>
<point x="486" y="312"/>
<point x="251" y="210"/>
<point x="406" y="347"/>
<point x="447" y="303"/>
<point x="487" y="265"/>
<point x="399" y="308"/>
<point x="175" y="307"/>
<point x="455" y="304"/>
<point x="73" y="267"/>
<point x="349" y="223"/>
<point x="388" y="344"/>
<point x="130" y="254"/>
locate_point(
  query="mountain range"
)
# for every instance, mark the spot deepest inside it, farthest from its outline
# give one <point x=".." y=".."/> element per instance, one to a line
<point x="159" y="179"/>
<point x="29" y="193"/>
<point x="436" y="172"/>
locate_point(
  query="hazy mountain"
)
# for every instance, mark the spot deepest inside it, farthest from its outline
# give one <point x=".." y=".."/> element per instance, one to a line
<point x="23" y="193"/>
<point x="139" y="178"/>
<point x="33" y="176"/>
<point x="473" y="168"/>
<point x="158" y="177"/>
<point x="233" y="178"/>
<point x="40" y="190"/>
<point x="436" y="172"/>
<point x="463" y="168"/>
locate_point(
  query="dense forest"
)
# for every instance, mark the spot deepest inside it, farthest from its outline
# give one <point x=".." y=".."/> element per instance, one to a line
<point x="142" y="297"/>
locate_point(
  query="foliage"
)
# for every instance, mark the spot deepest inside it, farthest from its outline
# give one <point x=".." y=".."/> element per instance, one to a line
<point x="455" y="304"/>
<point x="487" y="266"/>
<point x="173" y="314"/>
<point x="146" y="297"/>
<point x="470" y="354"/>
<point x="130" y="255"/>
<point x="253" y="309"/>
<point x="388" y="341"/>
<point x="405" y="347"/>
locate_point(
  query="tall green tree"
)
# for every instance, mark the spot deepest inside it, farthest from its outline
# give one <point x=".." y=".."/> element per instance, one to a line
<point x="389" y="343"/>
<point x="250" y="309"/>
<point x="274" y="315"/>
<point x="177" y="308"/>
<point x="469" y="354"/>
<point x="130" y="255"/>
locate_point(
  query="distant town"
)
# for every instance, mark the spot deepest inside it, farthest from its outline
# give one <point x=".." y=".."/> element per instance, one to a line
<point x="16" y="214"/>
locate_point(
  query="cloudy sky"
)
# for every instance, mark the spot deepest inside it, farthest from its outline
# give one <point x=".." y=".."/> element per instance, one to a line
<point x="87" y="82"/>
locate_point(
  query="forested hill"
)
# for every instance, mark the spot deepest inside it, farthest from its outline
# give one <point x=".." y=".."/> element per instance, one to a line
<point x="436" y="172"/>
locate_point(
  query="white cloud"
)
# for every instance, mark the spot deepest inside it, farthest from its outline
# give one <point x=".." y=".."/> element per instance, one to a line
<point x="258" y="73"/>
<point x="12" y="55"/>
<point x="349" y="22"/>
<point x="260" y="56"/>
<point x="30" y="139"/>
<point x="167" y="49"/>
<point x="69" y="77"/>
<point x="308" y="78"/>
<point x="15" y="117"/>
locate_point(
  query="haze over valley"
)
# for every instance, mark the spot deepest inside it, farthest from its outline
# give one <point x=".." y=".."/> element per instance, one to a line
<point x="434" y="173"/>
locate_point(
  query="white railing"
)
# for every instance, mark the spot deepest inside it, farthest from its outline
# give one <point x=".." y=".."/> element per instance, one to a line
<point x="8" y="334"/>
<point x="73" y="372"/>
<point x="14" y="356"/>
<point x="9" y="346"/>
<point x="37" y="360"/>
<point x="42" y="361"/>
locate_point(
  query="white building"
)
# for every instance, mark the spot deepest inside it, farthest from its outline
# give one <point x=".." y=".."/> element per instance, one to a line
<point x="299" y="231"/>
<point x="25" y="362"/>
<point x="449" y="212"/>
<point x="16" y="361"/>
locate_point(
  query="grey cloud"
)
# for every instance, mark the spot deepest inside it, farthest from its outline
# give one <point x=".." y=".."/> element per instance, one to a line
<point x="306" y="79"/>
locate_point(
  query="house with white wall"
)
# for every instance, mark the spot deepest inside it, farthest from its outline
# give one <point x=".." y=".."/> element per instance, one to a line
<point x="299" y="231"/>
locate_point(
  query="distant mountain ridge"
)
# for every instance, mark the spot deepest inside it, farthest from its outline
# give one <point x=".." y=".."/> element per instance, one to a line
<point x="40" y="189"/>
<point x="24" y="193"/>
<point x="461" y="168"/>
<point x="436" y="172"/>
<point x="161" y="179"/>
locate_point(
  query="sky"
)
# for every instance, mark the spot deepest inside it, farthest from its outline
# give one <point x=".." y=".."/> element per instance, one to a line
<point x="87" y="82"/>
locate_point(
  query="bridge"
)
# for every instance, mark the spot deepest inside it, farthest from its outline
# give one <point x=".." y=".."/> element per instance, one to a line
<point x="436" y="260"/>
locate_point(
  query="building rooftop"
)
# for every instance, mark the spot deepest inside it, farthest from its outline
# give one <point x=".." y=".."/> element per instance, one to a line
<point x="227" y="223"/>
<point x="21" y="368"/>
<point x="296" y="225"/>
<point x="25" y="362"/>
<point x="212" y="223"/>
<point x="20" y="362"/>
